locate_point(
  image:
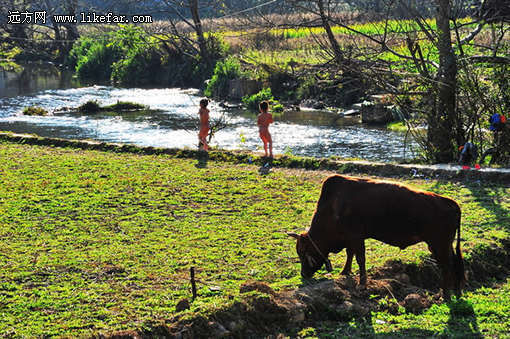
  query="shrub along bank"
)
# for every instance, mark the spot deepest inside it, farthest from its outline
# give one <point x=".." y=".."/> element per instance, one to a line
<point x="130" y="56"/>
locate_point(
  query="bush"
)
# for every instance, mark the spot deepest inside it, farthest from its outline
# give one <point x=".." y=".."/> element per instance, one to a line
<point x="91" y="106"/>
<point x="122" y="56"/>
<point x="129" y="56"/>
<point x="252" y="102"/>
<point x="308" y="88"/>
<point x="125" y="105"/>
<point x="140" y="67"/>
<point x="141" y="62"/>
<point x="277" y="108"/>
<point x="97" y="63"/>
<point x="224" y="71"/>
<point x="35" y="110"/>
<point x="188" y="69"/>
<point x="79" y="49"/>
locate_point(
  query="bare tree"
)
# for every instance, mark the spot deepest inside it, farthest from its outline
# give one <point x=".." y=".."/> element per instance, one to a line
<point x="188" y="13"/>
<point x="434" y="80"/>
<point x="32" y="34"/>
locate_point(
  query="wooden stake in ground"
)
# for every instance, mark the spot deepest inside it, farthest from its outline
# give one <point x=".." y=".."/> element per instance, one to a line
<point x="193" y="283"/>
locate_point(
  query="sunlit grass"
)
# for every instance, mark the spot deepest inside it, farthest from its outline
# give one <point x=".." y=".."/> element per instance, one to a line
<point x="368" y="28"/>
<point x="96" y="241"/>
<point x="283" y="57"/>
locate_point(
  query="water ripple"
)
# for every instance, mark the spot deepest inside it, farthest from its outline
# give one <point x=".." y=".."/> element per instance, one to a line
<point x="175" y="124"/>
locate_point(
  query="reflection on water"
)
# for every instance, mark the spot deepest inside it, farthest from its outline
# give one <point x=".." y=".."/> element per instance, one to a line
<point x="32" y="78"/>
<point x="174" y="124"/>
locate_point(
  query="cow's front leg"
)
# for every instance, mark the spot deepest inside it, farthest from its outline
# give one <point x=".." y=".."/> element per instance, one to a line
<point x="348" y="262"/>
<point x="359" y="250"/>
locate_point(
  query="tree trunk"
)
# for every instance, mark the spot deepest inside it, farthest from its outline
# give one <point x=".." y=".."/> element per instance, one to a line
<point x="442" y="124"/>
<point x="202" y="44"/>
<point x="72" y="34"/>
<point x="331" y="37"/>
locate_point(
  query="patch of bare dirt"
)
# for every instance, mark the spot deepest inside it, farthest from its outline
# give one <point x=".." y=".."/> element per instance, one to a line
<point x="263" y="310"/>
<point x="392" y="288"/>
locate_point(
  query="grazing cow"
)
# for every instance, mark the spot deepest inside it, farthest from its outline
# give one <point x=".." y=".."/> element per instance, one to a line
<point x="351" y="210"/>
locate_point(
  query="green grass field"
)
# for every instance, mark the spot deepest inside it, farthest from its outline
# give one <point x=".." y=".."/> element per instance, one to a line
<point x="94" y="242"/>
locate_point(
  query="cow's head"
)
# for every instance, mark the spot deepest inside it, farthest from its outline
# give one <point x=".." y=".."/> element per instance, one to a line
<point x="310" y="257"/>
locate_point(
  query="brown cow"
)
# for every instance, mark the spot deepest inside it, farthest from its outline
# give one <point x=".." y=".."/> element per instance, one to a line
<point x="351" y="210"/>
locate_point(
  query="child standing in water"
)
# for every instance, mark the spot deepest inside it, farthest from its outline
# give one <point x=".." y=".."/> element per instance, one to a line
<point x="263" y="121"/>
<point x="204" y="125"/>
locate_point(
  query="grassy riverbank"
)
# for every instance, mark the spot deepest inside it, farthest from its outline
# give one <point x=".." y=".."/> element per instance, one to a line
<point x="95" y="242"/>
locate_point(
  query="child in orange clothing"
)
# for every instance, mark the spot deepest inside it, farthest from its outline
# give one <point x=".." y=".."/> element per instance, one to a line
<point x="204" y="125"/>
<point x="263" y="121"/>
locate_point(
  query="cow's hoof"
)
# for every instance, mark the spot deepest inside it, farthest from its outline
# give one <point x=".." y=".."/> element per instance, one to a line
<point x="346" y="273"/>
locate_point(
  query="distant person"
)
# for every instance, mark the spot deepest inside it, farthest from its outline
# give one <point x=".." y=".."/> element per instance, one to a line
<point x="204" y="125"/>
<point x="497" y="122"/>
<point x="468" y="155"/>
<point x="263" y="121"/>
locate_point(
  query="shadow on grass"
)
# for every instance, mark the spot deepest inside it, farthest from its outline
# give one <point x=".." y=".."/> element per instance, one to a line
<point x="487" y="263"/>
<point x="462" y="323"/>
<point x="266" y="166"/>
<point x="203" y="158"/>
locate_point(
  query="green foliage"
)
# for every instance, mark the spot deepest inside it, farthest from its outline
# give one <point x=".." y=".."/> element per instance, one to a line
<point x="141" y="62"/>
<point x="91" y="106"/>
<point x="188" y="69"/>
<point x="224" y="71"/>
<point x="217" y="47"/>
<point x="307" y="88"/>
<point x="308" y="332"/>
<point x="8" y="52"/>
<point x="130" y="56"/>
<point x="277" y="108"/>
<point x="398" y="126"/>
<point x="96" y="62"/>
<point x="139" y="67"/>
<point x="125" y="105"/>
<point x="35" y="110"/>
<point x="79" y="50"/>
<point x="127" y="56"/>
<point x="122" y="56"/>
<point x="252" y="101"/>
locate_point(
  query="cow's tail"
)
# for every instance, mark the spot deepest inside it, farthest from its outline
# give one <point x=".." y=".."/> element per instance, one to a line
<point x="460" y="275"/>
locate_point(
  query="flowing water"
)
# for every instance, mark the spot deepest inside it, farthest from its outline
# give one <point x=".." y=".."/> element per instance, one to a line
<point x="174" y="121"/>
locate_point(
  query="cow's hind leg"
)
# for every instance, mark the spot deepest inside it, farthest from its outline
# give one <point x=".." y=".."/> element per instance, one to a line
<point x="359" y="251"/>
<point x="348" y="263"/>
<point x="444" y="257"/>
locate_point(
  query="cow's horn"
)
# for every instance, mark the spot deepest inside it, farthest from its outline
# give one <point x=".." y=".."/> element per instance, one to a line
<point x="292" y="234"/>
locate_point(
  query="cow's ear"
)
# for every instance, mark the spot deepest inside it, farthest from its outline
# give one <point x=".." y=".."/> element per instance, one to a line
<point x="293" y="235"/>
